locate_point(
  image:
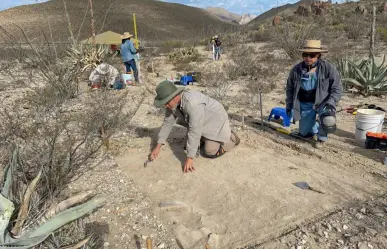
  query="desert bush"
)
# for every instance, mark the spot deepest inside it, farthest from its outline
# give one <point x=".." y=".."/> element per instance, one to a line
<point x="291" y="35"/>
<point x="53" y="134"/>
<point x="218" y="84"/>
<point x="356" y="26"/>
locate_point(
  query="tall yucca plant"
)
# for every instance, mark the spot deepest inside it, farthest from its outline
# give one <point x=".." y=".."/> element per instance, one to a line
<point x="366" y="76"/>
<point x="30" y="238"/>
<point x="87" y="55"/>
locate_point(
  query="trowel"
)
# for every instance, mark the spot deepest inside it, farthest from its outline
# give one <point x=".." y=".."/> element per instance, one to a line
<point x="305" y="186"/>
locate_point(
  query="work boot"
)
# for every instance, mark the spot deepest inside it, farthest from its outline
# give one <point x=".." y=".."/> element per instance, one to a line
<point x="319" y="144"/>
<point x="235" y="138"/>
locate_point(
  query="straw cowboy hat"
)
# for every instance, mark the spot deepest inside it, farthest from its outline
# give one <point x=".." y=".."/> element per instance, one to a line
<point x="126" y="35"/>
<point x="166" y="91"/>
<point x="313" y="46"/>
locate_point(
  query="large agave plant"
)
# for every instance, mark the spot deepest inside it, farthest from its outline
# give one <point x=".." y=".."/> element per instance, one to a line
<point x="366" y="75"/>
<point x="56" y="218"/>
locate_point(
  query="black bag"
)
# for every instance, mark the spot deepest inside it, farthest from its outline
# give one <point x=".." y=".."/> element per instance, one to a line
<point x="217" y="43"/>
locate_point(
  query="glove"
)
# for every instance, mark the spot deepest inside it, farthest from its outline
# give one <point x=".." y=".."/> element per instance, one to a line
<point x="289" y="112"/>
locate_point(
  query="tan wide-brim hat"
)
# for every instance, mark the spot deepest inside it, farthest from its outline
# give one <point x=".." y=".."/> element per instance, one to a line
<point x="126" y="35"/>
<point x="313" y="46"/>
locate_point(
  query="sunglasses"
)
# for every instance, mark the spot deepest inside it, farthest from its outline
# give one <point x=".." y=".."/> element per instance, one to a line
<point x="310" y="55"/>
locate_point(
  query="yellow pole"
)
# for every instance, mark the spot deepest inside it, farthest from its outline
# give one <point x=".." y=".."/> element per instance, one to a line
<point x="136" y="45"/>
<point x="135" y="30"/>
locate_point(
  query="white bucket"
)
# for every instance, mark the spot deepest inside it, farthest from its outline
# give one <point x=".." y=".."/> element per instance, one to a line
<point x="127" y="78"/>
<point x="368" y="120"/>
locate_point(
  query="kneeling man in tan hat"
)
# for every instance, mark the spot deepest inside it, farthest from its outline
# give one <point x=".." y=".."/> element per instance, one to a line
<point x="313" y="89"/>
<point x="205" y="118"/>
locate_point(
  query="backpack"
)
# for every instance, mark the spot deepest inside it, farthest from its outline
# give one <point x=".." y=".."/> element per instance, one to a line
<point x="217" y="43"/>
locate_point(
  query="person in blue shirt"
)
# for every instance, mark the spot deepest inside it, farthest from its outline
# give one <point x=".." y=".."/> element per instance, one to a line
<point x="129" y="54"/>
<point x="313" y="89"/>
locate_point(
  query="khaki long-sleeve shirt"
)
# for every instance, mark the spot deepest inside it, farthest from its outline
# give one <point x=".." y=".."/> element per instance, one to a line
<point x="202" y="115"/>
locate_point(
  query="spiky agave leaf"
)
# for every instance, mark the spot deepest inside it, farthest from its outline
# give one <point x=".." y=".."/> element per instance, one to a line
<point x="37" y="236"/>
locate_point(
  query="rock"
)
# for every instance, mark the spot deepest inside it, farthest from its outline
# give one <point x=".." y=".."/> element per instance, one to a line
<point x="326" y="235"/>
<point x="246" y="18"/>
<point x="340" y="241"/>
<point x="371" y="232"/>
<point x="161" y="246"/>
<point x="328" y="226"/>
<point x="362" y="245"/>
<point x="362" y="10"/>
<point x="303" y="10"/>
<point x="359" y="216"/>
<point x="299" y="247"/>
<point x="213" y="240"/>
<point x="106" y="244"/>
<point x="276" y="21"/>
<point x="363" y="211"/>
<point x="370" y="246"/>
<point x="345" y="227"/>
<point x="383" y="8"/>
<point x="354" y="239"/>
<point x="338" y="229"/>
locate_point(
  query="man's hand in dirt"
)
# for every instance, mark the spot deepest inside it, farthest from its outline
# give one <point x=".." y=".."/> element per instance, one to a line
<point x="155" y="152"/>
<point x="188" y="166"/>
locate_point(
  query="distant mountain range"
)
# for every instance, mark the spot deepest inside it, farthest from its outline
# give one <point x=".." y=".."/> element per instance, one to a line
<point x="228" y="16"/>
<point x="156" y="21"/>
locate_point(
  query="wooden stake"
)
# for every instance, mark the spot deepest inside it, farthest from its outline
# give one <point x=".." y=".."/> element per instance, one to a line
<point x="92" y="21"/>
<point x="260" y="105"/>
<point x="149" y="244"/>
<point x="243" y="121"/>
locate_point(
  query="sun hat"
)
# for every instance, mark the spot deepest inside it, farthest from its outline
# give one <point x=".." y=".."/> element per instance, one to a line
<point x="313" y="46"/>
<point x="126" y="35"/>
<point x="166" y="91"/>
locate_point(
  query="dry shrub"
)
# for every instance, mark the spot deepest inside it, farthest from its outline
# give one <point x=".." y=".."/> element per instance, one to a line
<point x="218" y="83"/>
<point x="291" y="35"/>
<point x="56" y="129"/>
<point x="356" y="26"/>
<point x="181" y="58"/>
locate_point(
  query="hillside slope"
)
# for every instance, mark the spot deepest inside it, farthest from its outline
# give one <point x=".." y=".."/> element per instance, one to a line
<point x="224" y="14"/>
<point x="155" y="20"/>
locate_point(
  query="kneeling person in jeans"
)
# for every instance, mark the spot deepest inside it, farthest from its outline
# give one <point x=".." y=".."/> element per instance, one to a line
<point x="314" y="88"/>
<point x="205" y="118"/>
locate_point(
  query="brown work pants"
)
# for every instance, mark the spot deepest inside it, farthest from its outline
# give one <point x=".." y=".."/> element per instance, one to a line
<point x="211" y="148"/>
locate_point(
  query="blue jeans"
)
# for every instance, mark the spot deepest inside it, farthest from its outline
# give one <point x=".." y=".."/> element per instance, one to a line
<point x="308" y="125"/>
<point x="131" y="65"/>
<point x="217" y="53"/>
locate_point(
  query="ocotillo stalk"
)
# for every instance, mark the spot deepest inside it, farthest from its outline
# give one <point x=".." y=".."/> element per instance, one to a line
<point x="373" y="28"/>
<point x="92" y="21"/>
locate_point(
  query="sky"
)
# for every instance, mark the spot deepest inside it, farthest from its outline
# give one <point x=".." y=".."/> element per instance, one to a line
<point x="237" y="6"/>
<point x="5" y="4"/>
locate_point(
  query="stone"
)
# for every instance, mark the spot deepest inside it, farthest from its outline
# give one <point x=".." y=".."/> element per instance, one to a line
<point x="359" y="216"/>
<point x="213" y="240"/>
<point x="362" y="10"/>
<point x="161" y="246"/>
<point x="371" y="232"/>
<point x="362" y="245"/>
<point x="276" y="21"/>
<point x="340" y="241"/>
<point x="363" y="211"/>
<point x="345" y="227"/>
<point x="326" y="235"/>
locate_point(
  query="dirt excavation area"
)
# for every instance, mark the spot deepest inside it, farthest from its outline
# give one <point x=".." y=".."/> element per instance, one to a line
<point x="247" y="196"/>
